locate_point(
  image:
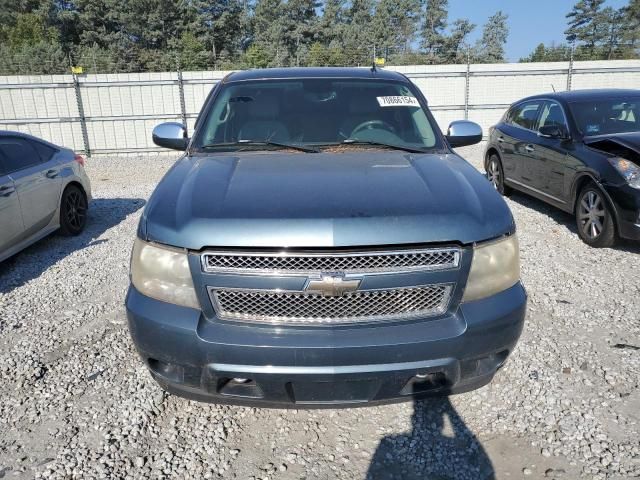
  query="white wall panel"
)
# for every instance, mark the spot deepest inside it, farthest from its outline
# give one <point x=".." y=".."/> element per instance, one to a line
<point x="122" y="109"/>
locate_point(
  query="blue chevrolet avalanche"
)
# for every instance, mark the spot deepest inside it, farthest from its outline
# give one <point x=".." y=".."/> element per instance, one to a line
<point x="320" y="244"/>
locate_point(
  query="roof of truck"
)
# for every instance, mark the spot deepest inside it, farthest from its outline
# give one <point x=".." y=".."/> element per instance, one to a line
<point x="315" y="72"/>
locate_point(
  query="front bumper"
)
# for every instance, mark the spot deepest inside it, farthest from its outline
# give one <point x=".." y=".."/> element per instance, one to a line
<point x="325" y="367"/>
<point x="626" y="201"/>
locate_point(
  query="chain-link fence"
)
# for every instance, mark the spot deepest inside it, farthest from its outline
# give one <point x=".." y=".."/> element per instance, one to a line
<point x="114" y="113"/>
<point x="99" y="61"/>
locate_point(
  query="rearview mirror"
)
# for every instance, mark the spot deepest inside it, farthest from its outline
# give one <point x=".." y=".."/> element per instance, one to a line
<point x="463" y="132"/>
<point x="170" y="135"/>
<point x="553" y="131"/>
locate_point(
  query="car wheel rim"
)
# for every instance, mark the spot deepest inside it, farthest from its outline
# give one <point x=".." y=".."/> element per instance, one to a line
<point x="494" y="174"/>
<point x="76" y="210"/>
<point x="591" y="214"/>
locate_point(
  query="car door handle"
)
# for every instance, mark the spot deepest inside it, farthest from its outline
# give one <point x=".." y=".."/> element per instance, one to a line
<point x="5" y="191"/>
<point x="529" y="148"/>
<point x="500" y="139"/>
<point x="52" y="173"/>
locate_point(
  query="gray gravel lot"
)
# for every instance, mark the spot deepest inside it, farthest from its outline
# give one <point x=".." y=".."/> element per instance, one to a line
<point x="76" y="402"/>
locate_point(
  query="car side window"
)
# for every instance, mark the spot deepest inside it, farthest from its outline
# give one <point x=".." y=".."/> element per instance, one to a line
<point x="18" y="153"/>
<point x="45" y="151"/>
<point x="552" y="115"/>
<point x="525" y="114"/>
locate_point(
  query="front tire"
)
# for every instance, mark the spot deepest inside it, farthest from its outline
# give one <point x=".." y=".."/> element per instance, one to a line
<point x="495" y="175"/>
<point x="594" y="218"/>
<point x="73" y="211"/>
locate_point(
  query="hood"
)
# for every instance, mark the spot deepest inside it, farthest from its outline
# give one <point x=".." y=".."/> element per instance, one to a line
<point x="616" y="141"/>
<point x="362" y="198"/>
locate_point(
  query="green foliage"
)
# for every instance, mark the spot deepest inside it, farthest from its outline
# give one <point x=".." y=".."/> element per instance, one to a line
<point x="490" y="48"/>
<point x="358" y="29"/>
<point x="596" y="33"/>
<point x="221" y="25"/>
<point x="435" y="22"/>
<point x="600" y="33"/>
<point x="298" y="27"/>
<point x="318" y="55"/>
<point x="192" y="53"/>
<point x="630" y="30"/>
<point x="46" y="36"/>
<point x="585" y="23"/>
<point x="395" y="23"/>
<point x="36" y="58"/>
<point x="552" y="53"/>
<point x="456" y="49"/>
<point x="331" y="26"/>
<point x="29" y="29"/>
<point x="256" y="56"/>
<point x="268" y="31"/>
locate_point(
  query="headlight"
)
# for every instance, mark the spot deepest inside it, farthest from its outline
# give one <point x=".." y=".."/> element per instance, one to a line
<point x="163" y="274"/>
<point x="629" y="170"/>
<point x="494" y="268"/>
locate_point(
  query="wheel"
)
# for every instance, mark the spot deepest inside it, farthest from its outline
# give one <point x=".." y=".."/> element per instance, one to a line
<point x="594" y="218"/>
<point x="495" y="175"/>
<point x="73" y="211"/>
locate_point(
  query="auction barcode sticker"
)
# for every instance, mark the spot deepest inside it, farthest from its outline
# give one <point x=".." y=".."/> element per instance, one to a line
<point x="399" y="101"/>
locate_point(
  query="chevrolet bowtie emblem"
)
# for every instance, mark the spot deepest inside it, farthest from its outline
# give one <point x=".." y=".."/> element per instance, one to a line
<point x="331" y="286"/>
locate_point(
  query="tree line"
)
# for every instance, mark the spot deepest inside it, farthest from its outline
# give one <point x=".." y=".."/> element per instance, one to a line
<point x="595" y="32"/>
<point x="47" y="36"/>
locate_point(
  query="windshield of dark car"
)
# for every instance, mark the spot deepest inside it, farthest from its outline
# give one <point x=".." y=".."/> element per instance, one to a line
<point x="607" y="116"/>
<point x="316" y="112"/>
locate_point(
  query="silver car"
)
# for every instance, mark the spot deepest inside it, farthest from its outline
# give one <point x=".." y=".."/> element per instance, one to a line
<point x="43" y="188"/>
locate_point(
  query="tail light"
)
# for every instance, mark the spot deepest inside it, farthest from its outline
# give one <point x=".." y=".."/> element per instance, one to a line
<point x="79" y="159"/>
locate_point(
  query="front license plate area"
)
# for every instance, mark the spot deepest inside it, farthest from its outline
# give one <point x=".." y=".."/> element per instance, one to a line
<point x="346" y="391"/>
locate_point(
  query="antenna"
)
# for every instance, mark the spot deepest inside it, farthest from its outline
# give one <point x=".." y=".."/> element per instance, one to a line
<point x="553" y="88"/>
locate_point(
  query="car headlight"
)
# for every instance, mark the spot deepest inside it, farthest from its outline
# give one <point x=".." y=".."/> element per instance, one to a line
<point x="162" y="273"/>
<point x="629" y="170"/>
<point x="494" y="268"/>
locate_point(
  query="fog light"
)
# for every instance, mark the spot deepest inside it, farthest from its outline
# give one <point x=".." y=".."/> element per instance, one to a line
<point x="170" y="371"/>
<point x="239" y="387"/>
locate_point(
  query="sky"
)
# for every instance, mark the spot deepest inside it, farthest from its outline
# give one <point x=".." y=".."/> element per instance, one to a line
<point x="530" y="21"/>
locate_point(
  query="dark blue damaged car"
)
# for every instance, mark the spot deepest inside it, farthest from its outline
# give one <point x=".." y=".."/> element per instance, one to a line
<point x="320" y="244"/>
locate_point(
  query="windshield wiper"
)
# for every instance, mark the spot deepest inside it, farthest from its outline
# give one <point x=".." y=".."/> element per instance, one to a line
<point x="350" y="141"/>
<point x="251" y="143"/>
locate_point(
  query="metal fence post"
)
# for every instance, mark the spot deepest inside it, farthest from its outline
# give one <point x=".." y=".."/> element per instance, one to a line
<point x="83" y="120"/>
<point x="183" y="108"/>
<point x="466" y="87"/>
<point x="570" y="71"/>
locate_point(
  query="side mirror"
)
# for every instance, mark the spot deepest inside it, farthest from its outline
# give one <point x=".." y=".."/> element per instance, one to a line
<point x="553" y="131"/>
<point x="170" y="135"/>
<point x="463" y="132"/>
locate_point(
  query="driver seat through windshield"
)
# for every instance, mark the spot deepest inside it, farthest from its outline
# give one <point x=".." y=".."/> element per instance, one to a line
<point x="263" y="124"/>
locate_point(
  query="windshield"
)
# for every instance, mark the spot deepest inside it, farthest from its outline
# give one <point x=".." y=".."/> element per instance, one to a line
<point x="312" y="112"/>
<point x="613" y="115"/>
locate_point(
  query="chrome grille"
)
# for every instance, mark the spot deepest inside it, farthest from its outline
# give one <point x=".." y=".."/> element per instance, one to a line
<point x="299" y="308"/>
<point x="327" y="261"/>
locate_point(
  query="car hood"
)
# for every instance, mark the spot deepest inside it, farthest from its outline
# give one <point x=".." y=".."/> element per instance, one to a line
<point x="630" y="140"/>
<point x="364" y="198"/>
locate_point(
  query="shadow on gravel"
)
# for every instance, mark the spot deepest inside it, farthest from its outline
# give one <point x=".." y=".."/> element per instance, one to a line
<point x="439" y="447"/>
<point x="31" y="262"/>
<point x="565" y="219"/>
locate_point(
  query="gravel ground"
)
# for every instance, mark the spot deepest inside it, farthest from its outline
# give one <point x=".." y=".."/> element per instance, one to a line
<point x="76" y="402"/>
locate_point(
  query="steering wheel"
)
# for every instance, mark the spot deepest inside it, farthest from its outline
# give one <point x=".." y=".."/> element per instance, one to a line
<point x="371" y="124"/>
